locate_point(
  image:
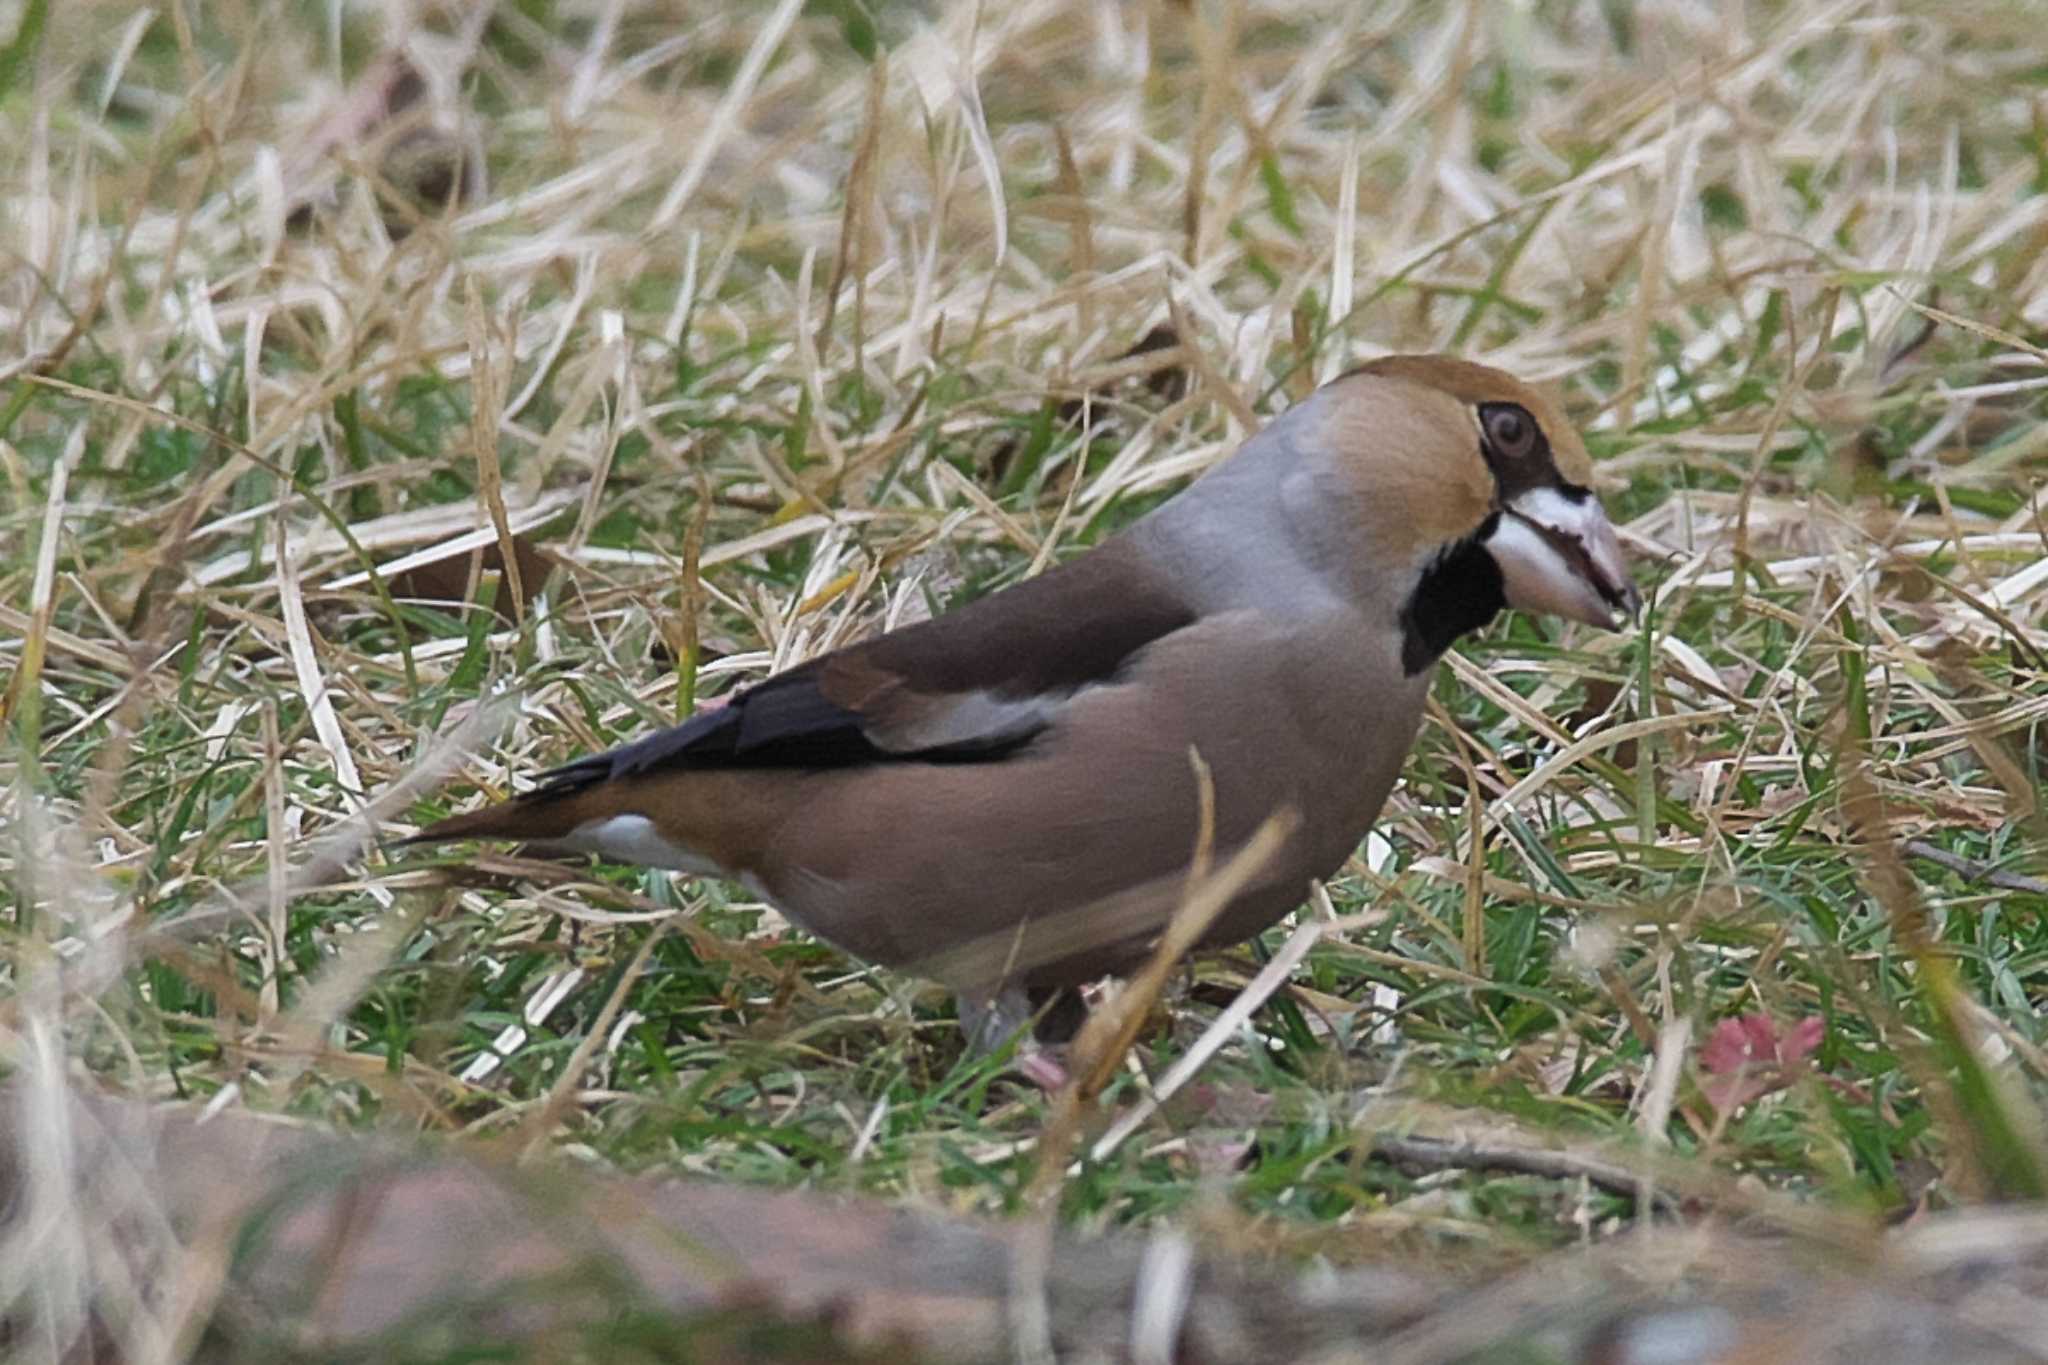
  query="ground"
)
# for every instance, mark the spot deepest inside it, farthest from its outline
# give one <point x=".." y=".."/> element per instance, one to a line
<point x="755" y="328"/>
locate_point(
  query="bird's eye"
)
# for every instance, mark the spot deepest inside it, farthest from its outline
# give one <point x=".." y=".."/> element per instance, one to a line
<point x="1510" y="430"/>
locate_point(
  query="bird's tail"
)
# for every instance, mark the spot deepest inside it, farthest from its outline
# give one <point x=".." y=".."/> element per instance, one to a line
<point x="532" y="818"/>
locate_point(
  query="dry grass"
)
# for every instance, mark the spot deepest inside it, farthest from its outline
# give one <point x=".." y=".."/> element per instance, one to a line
<point x="777" y="323"/>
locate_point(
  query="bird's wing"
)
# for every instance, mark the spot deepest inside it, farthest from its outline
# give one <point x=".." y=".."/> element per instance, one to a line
<point x="970" y="686"/>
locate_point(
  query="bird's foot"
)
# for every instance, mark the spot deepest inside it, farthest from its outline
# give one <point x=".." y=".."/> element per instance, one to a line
<point x="1041" y="1067"/>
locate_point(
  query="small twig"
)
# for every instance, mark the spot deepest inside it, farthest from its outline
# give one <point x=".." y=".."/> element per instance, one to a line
<point x="1928" y="327"/>
<point x="1969" y="869"/>
<point x="539" y="1123"/>
<point x="483" y="426"/>
<point x="1111" y="1030"/>
<point x="1027" y="1307"/>
<point x="1442" y="1154"/>
<point x="1159" y="1300"/>
<point x="1220" y="1031"/>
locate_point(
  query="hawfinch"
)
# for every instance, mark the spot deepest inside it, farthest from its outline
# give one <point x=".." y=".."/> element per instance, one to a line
<point x="1002" y="798"/>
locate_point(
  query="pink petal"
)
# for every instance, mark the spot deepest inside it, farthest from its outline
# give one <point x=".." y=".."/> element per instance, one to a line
<point x="1763" y="1035"/>
<point x="1727" y="1048"/>
<point x="1805" y="1036"/>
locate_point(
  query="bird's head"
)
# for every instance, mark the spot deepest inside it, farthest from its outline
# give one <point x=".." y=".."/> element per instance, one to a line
<point x="1477" y="487"/>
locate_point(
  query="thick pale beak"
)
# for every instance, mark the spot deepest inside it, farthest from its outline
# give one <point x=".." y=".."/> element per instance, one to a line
<point x="1558" y="554"/>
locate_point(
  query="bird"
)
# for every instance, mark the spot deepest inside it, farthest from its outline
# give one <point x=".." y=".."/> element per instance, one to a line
<point x="1002" y="797"/>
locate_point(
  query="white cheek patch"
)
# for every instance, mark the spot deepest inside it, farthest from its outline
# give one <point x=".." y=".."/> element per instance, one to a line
<point x="635" y="839"/>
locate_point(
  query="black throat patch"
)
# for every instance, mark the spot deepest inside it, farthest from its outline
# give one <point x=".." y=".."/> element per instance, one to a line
<point x="1460" y="591"/>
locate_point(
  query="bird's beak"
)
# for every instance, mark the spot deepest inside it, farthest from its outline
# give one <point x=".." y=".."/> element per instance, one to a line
<point x="1557" y="553"/>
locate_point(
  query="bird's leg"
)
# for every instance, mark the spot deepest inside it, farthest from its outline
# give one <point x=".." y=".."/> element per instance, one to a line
<point x="1060" y="1013"/>
<point x="990" y="1021"/>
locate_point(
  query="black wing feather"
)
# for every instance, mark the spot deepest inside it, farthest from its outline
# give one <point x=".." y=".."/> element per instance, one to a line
<point x="1080" y="624"/>
<point x="783" y="722"/>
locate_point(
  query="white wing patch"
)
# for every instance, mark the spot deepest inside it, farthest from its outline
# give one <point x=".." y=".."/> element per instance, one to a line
<point x="635" y="839"/>
<point x="970" y="718"/>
